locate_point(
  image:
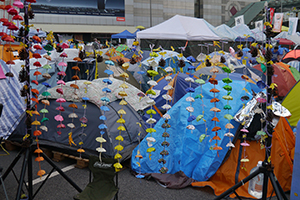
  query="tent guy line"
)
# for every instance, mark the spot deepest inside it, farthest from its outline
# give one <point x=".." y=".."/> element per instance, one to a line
<point x="38" y="180"/>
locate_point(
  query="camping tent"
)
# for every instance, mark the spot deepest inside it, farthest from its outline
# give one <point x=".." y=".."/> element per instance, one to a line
<point x="231" y="172"/>
<point x="291" y="103"/>
<point x="92" y="113"/>
<point x="123" y="35"/>
<point x="284" y="78"/>
<point x="179" y="28"/>
<point x="186" y="152"/>
<point x="226" y="33"/>
<point x="13" y="103"/>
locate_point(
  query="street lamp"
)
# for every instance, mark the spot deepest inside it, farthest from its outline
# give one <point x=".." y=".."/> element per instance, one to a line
<point x="150" y="13"/>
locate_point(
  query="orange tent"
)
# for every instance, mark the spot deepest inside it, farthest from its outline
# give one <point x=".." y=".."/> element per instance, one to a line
<point x="7" y="55"/>
<point x="284" y="78"/>
<point x="283" y="144"/>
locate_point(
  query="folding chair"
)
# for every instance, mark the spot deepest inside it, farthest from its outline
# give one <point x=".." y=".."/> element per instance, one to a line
<point x="2" y="182"/>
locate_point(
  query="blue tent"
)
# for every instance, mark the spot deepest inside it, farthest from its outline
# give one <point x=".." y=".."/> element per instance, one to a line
<point x="186" y="152"/>
<point x="124" y="35"/>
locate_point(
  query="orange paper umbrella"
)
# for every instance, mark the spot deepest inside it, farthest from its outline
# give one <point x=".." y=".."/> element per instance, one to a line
<point x="35" y="91"/>
<point x="76" y="68"/>
<point x="36" y="38"/>
<point x="77" y="59"/>
<point x="37" y="133"/>
<point x="38" y="150"/>
<point x="35" y="100"/>
<point x="75" y="77"/>
<point x="217" y="148"/>
<point x="73" y="105"/>
<point x="213" y="100"/>
<point x="39" y="159"/>
<point x="74" y="85"/>
<point x="37" y="73"/>
<point x="215" y="119"/>
<point x="216" y="138"/>
<point x="216" y="128"/>
<point x="213" y="81"/>
<point x="214" y="90"/>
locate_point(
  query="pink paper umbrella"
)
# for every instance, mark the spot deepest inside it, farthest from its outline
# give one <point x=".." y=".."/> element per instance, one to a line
<point x="62" y="64"/>
<point x="245" y="144"/>
<point x="261" y="100"/>
<point x="61" y="82"/>
<point x="18" y="4"/>
<point x="59" y="118"/>
<point x="244" y="130"/>
<point x="60" y="100"/>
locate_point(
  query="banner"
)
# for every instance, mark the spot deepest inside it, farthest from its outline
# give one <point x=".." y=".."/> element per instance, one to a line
<point x="293" y="22"/>
<point x="278" y="18"/>
<point x="239" y="20"/>
<point x="271" y="10"/>
<point x="115" y="8"/>
<point x="259" y="25"/>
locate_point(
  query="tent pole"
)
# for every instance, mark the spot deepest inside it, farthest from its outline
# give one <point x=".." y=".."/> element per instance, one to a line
<point x="28" y="142"/>
<point x="267" y="168"/>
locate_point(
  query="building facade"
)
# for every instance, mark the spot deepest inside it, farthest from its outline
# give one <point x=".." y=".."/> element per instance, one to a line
<point x="80" y="18"/>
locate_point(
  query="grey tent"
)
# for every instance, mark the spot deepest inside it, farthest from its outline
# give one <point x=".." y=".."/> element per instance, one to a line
<point x="51" y="139"/>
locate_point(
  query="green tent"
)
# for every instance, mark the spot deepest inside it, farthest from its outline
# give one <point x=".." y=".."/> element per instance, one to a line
<point x="291" y="103"/>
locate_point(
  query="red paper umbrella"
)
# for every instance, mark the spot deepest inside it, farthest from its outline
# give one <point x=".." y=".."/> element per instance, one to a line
<point x="37" y="64"/>
<point x="38" y="47"/>
<point x="37" y="73"/>
<point x="17" y="17"/>
<point x="64" y="55"/>
<point x="64" y="46"/>
<point x="31" y="1"/>
<point x="12" y="11"/>
<point x="36" y="38"/>
<point x="8" y="39"/>
<point x="12" y="27"/>
<point x="7" y="7"/>
<point x="60" y="91"/>
<point x="10" y="62"/>
<point x="3" y="20"/>
<point x="35" y="82"/>
<point x="36" y="55"/>
<point x="6" y="23"/>
<point x="2" y="34"/>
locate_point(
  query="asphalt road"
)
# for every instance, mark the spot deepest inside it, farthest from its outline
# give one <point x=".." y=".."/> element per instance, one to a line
<point x="57" y="188"/>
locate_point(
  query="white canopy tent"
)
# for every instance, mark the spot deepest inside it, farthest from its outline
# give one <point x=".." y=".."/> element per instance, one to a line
<point x="226" y="33"/>
<point x="180" y="28"/>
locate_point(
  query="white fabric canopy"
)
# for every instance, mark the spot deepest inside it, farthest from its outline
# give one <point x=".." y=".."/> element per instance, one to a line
<point x="226" y="33"/>
<point x="180" y="28"/>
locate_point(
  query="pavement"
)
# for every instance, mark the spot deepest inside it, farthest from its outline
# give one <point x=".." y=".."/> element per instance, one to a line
<point x="57" y="188"/>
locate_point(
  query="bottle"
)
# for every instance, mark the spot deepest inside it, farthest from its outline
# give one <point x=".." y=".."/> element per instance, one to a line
<point x="256" y="183"/>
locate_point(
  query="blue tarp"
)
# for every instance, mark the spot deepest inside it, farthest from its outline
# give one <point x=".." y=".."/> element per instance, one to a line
<point x="296" y="172"/>
<point x="124" y="35"/>
<point x="13" y="104"/>
<point x="186" y="152"/>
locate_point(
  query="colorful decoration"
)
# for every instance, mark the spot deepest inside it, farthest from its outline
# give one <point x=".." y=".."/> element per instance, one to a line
<point x="138" y="155"/>
<point x="166" y="116"/>
<point x="104" y="109"/>
<point x="227" y="107"/>
<point x="216" y="128"/>
<point x="151" y="73"/>
<point x="201" y="116"/>
<point x="121" y="121"/>
<point x="190" y="99"/>
<point x="74" y="106"/>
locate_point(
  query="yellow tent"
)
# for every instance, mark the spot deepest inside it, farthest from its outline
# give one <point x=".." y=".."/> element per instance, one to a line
<point x="291" y="103"/>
